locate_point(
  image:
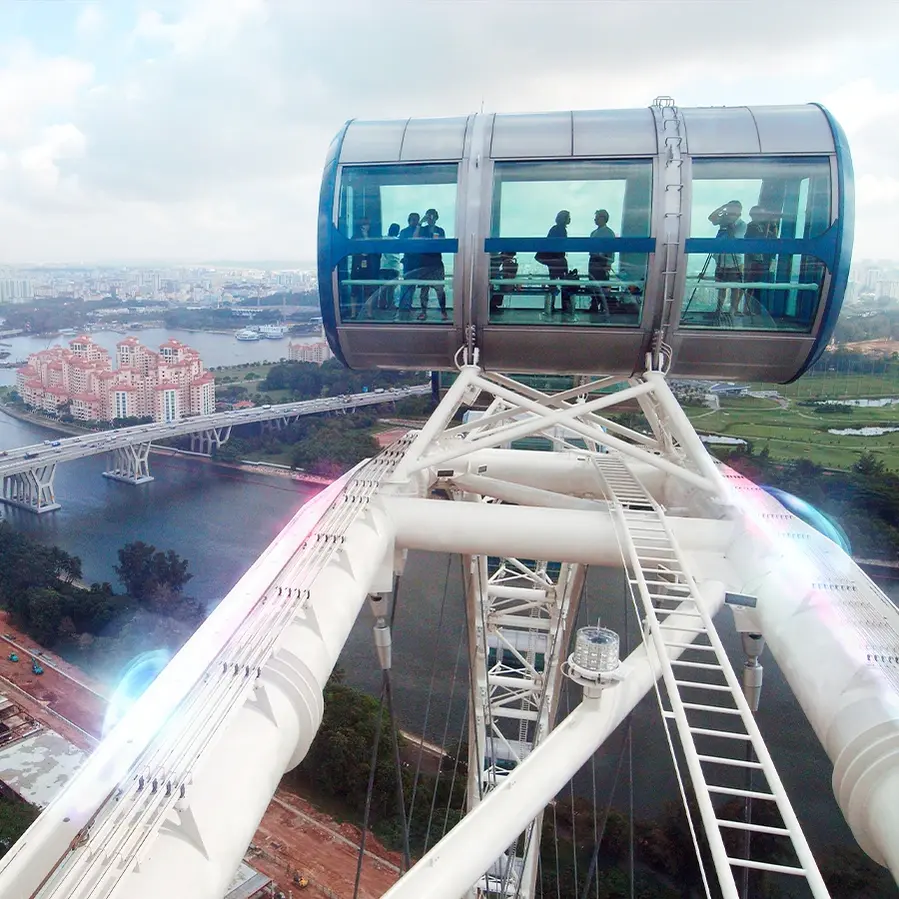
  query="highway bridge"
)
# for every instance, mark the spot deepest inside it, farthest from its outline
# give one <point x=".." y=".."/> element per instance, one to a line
<point x="28" y="471"/>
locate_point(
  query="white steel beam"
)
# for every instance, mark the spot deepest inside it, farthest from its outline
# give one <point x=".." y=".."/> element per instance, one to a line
<point x="532" y="533"/>
<point x="470" y="848"/>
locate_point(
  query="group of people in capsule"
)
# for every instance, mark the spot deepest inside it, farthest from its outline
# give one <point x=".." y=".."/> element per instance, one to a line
<point x="742" y="268"/>
<point x="426" y="271"/>
<point x="423" y="270"/>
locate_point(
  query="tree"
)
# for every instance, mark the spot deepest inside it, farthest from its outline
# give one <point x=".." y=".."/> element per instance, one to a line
<point x="135" y="568"/>
<point x="16" y="817"/>
<point x="45" y="610"/>
<point x="143" y="571"/>
<point x="341" y="751"/>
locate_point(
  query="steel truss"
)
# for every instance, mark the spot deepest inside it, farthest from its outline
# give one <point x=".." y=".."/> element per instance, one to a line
<point x="520" y="615"/>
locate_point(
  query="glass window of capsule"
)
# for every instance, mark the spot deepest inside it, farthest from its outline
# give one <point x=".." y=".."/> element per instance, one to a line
<point x="759" y="213"/>
<point x="378" y="206"/>
<point x="559" y="242"/>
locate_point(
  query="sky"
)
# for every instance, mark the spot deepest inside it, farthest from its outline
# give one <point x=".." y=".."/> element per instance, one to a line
<point x="196" y="130"/>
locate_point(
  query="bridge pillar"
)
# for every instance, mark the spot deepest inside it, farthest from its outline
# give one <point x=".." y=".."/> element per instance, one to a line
<point x="204" y="441"/>
<point x="31" y="490"/>
<point x="130" y="464"/>
<point x="274" y="424"/>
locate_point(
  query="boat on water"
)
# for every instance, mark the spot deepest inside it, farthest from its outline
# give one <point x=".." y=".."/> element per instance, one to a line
<point x="248" y="334"/>
<point x="273" y="332"/>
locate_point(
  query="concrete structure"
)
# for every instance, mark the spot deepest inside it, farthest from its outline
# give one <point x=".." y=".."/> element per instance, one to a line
<point x="166" y="385"/>
<point x="317" y="352"/>
<point x="16" y="290"/>
<point x="39" y="766"/>
<point x="28" y="471"/>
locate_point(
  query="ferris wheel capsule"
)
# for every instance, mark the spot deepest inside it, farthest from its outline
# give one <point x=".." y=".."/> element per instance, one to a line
<point x="712" y="242"/>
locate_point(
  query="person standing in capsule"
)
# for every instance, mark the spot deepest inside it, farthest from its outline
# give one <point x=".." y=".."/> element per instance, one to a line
<point x="432" y="265"/>
<point x="411" y="265"/>
<point x="729" y="266"/>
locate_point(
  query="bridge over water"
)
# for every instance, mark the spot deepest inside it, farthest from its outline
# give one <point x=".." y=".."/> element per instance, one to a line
<point x="28" y="471"/>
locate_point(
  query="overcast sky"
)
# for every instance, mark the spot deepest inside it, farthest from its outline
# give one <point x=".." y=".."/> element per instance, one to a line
<point x="196" y="130"/>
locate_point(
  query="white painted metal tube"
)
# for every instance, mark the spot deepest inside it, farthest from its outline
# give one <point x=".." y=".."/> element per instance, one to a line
<point x="472" y="846"/>
<point x="566" y="473"/>
<point x="826" y="658"/>
<point x="268" y="736"/>
<point x="568" y="417"/>
<point x="22" y="869"/>
<point x="685" y="432"/>
<point x="531" y="533"/>
<point x="518" y="494"/>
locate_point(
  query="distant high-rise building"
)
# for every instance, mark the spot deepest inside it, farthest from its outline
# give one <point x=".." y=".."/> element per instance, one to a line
<point x="16" y="290"/>
<point x="317" y="352"/>
<point x="167" y="386"/>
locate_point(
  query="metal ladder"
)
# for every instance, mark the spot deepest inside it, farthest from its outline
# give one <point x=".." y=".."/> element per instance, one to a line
<point x="714" y="713"/>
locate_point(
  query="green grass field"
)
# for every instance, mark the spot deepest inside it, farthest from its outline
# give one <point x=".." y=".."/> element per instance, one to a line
<point x="799" y="433"/>
<point x="834" y="385"/>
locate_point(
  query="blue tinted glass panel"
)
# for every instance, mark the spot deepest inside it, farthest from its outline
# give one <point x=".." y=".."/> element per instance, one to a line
<point x="563" y="200"/>
<point x="381" y="195"/>
<point x="528" y="196"/>
<point x="419" y="293"/>
<point x="397" y="202"/>
<point x="761" y="198"/>
<point x="579" y="291"/>
<point x="759" y="292"/>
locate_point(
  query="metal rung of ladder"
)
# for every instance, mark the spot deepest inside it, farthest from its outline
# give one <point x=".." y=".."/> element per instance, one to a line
<point x="698" y="707"/>
<point x="698" y="685"/>
<point x="647" y="543"/>
<point x="765" y="866"/>
<point x="754" y="828"/>
<point x="733" y="763"/>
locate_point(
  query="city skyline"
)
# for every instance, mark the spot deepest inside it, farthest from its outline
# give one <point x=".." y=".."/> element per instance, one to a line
<point x="197" y="130"/>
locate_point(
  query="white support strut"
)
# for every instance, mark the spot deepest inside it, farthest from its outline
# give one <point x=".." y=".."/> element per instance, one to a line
<point x="468" y="850"/>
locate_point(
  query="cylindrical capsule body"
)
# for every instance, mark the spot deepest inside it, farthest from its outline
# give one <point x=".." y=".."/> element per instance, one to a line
<point x="580" y="242"/>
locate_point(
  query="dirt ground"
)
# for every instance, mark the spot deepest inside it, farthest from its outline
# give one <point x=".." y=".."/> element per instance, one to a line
<point x="880" y="347"/>
<point x="293" y="836"/>
<point x="60" y="698"/>
<point x="385" y="438"/>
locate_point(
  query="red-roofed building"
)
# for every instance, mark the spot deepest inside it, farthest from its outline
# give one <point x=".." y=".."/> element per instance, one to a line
<point x="167" y="385"/>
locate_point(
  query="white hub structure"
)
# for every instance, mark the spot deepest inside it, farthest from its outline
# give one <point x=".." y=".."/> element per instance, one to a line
<point x="169" y="802"/>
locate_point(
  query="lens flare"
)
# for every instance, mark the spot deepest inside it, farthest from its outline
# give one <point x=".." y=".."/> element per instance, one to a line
<point x="813" y="517"/>
<point x="139" y="674"/>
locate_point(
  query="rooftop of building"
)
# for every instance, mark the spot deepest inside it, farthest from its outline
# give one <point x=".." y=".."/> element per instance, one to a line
<point x="39" y="766"/>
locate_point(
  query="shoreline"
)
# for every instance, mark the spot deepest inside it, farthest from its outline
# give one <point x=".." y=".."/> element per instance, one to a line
<point x="249" y="465"/>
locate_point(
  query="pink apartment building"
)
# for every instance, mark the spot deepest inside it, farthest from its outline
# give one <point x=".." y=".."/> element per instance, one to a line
<point x="167" y="385"/>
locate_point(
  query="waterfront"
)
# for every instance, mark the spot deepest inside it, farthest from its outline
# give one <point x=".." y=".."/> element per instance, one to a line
<point x="214" y="349"/>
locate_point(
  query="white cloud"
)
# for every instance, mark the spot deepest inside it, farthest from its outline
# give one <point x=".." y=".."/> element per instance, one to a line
<point x="38" y="162"/>
<point x="204" y="24"/>
<point x="206" y="136"/>
<point x="91" y="22"/>
<point x="32" y="87"/>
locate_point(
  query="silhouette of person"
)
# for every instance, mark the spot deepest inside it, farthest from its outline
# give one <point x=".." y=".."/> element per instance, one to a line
<point x="432" y="265"/>
<point x="390" y="271"/>
<point x="411" y="265"/>
<point x="365" y="266"/>
<point x="557" y="262"/>
<point x="729" y="266"/>
<point x="757" y="266"/>
<point x="600" y="264"/>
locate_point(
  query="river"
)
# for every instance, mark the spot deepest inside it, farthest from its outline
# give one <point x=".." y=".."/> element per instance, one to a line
<point x="221" y="519"/>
